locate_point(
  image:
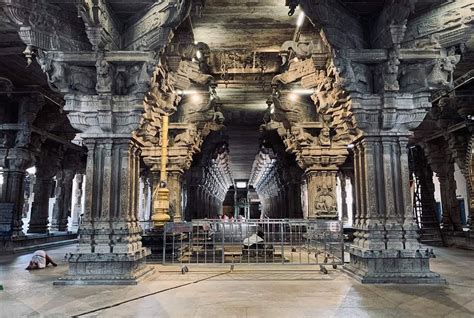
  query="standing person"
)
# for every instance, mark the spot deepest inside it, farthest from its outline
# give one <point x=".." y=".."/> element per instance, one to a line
<point x="40" y="260"/>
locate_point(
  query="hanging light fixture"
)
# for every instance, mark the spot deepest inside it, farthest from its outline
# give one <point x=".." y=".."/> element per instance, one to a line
<point x="300" y="20"/>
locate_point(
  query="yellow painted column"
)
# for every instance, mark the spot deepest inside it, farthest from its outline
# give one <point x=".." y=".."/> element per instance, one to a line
<point x="161" y="203"/>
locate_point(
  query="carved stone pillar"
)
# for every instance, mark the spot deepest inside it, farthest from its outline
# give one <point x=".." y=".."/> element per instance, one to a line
<point x="62" y="205"/>
<point x="353" y="192"/>
<point x="175" y="181"/>
<point x="386" y="248"/>
<point x="16" y="157"/>
<point x="427" y="189"/>
<point x="109" y="226"/>
<point x="383" y="193"/>
<point x="344" y="215"/>
<point x="11" y="195"/>
<point x="321" y="193"/>
<point x="440" y="160"/>
<point x="110" y="249"/>
<point x="77" y="209"/>
<point x="45" y="171"/>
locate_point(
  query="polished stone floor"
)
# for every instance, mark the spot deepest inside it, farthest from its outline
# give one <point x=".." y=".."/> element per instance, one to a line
<point x="246" y="292"/>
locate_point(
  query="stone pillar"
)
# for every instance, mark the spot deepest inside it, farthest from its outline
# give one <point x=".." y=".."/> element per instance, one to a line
<point x="321" y="193"/>
<point x="175" y="181"/>
<point x="353" y="192"/>
<point x="191" y="201"/>
<point x="382" y="176"/>
<point x="62" y="205"/>
<point x="110" y="243"/>
<point x="440" y="160"/>
<point x="45" y="171"/>
<point x="15" y="157"/>
<point x="344" y="215"/>
<point x="451" y="213"/>
<point x="110" y="249"/>
<point x="11" y="195"/>
<point x="427" y="188"/>
<point x="386" y="249"/>
<point x="77" y="209"/>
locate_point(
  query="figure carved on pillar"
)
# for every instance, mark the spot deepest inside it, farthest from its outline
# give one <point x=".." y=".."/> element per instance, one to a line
<point x="104" y="76"/>
<point x="325" y="201"/>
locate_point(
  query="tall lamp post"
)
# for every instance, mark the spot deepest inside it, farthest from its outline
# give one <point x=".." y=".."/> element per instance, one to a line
<point x="161" y="101"/>
<point x="161" y="195"/>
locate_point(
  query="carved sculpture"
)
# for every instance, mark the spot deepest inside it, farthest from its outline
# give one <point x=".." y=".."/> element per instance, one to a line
<point x="325" y="204"/>
<point x="64" y="78"/>
<point x="104" y="76"/>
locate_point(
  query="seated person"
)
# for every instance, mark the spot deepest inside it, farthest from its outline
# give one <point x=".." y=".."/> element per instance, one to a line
<point x="40" y="260"/>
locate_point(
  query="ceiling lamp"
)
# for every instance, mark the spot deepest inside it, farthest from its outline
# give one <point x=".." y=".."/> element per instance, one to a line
<point x="300" y="20"/>
<point x="302" y="91"/>
<point x="241" y="184"/>
<point x="196" y="98"/>
<point x="293" y="97"/>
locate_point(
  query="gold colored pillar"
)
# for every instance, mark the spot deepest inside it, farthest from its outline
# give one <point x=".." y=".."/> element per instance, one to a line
<point x="161" y="202"/>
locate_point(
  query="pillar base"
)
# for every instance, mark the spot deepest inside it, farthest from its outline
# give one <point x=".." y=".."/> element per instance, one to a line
<point x="464" y="239"/>
<point x="107" y="269"/>
<point x="390" y="267"/>
<point x="6" y="216"/>
<point x="38" y="229"/>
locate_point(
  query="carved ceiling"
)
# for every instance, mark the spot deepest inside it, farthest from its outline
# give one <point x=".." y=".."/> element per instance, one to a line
<point x="254" y="25"/>
<point x="244" y="38"/>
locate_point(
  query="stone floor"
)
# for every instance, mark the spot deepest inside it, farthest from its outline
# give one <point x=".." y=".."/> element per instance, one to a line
<point x="246" y="292"/>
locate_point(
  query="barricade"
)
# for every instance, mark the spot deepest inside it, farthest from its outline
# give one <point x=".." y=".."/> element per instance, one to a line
<point x="269" y="241"/>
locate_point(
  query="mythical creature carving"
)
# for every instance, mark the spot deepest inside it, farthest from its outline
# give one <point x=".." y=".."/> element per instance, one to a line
<point x="302" y="50"/>
<point x="66" y="78"/>
<point x="23" y="137"/>
<point x="210" y="111"/>
<point x="349" y="75"/>
<point x="285" y="111"/>
<point x="189" y="138"/>
<point x="429" y="75"/>
<point x="138" y="79"/>
<point x="302" y="137"/>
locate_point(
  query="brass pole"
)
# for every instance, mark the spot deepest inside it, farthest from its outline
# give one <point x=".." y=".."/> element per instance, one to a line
<point x="164" y="149"/>
<point x="161" y="202"/>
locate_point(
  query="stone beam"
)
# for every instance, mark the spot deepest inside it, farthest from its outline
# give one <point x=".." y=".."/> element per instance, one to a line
<point x="390" y="22"/>
<point x="102" y="27"/>
<point x="335" y="21"/>
<point x="447" y="25"/>
<point x="44" y="26"/>
<point x="154" y="28"/>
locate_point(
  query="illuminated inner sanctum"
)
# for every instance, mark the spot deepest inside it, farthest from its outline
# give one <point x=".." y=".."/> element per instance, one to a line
<point x="142" y="138"/>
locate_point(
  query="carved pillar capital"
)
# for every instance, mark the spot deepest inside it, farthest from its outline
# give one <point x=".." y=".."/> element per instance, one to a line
<point x="390" y="114"/>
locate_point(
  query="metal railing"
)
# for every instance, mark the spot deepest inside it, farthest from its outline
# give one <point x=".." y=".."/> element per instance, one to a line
<point x="269" y="241"/>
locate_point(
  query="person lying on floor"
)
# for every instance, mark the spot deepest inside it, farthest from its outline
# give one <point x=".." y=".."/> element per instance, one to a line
<point x="40" y="260"/>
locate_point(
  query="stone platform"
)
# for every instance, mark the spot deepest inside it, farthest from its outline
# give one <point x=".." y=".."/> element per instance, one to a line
<point x="106" y="269"/>
<point x="391" y="267"/>
<point x="32" y="242"/>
